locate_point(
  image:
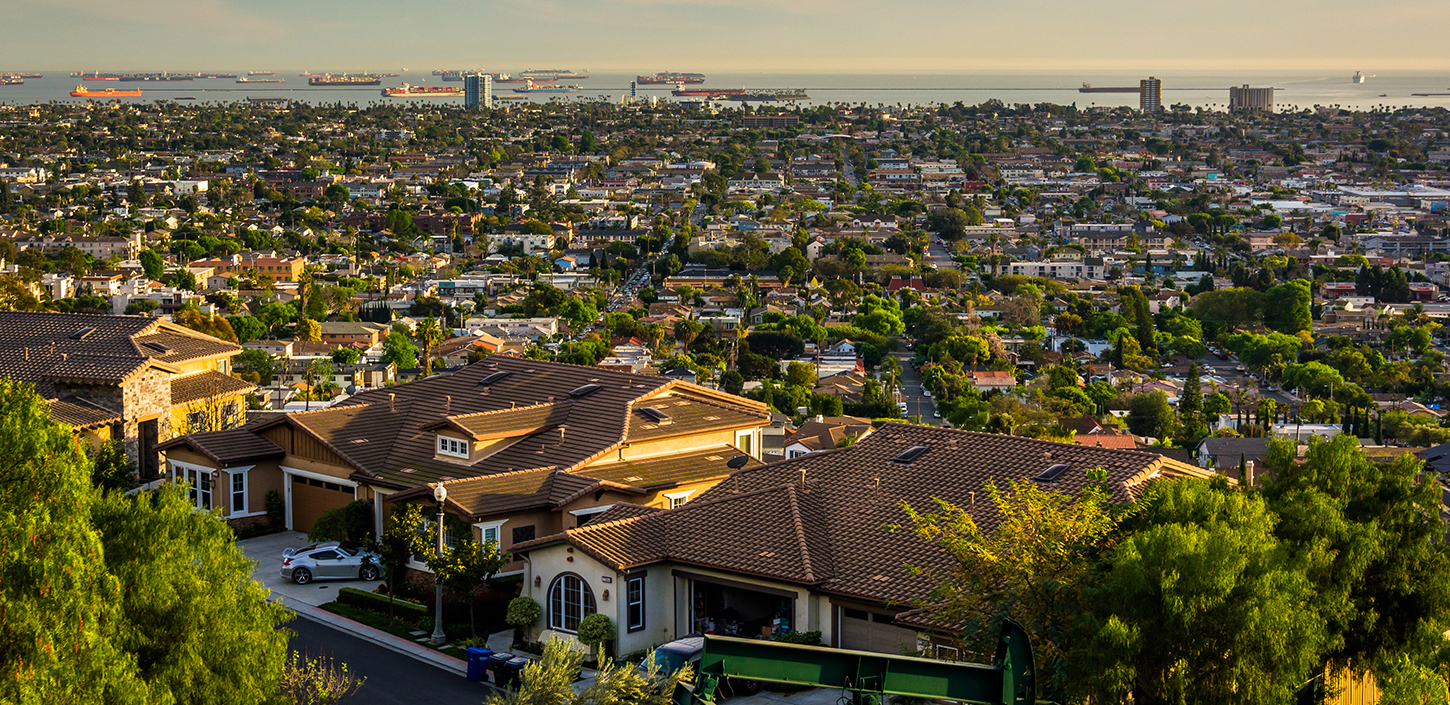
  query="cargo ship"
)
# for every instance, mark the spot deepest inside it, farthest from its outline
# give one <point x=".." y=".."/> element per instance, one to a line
<point x="134" y="77"/>
<point x="548" y="74"/>
<point x="505" y="78"/>
<point x="1357" y="77"/>
<point x="11" y="81"/>
<point x="25" y="75"/>
<point x="743" y="94"/>
<point x="309" y="74"/>
<point x="1089" y="88"/>
<point x="449" y="75"/>
<point x="259" y="80"/>
<point x="216" y="75"/>
<point x="100" y="77"/>
<point x="532" y="87"/>
<point x="344" y="81"/>
<point x="83" y="92"/>
<point x="408" y="91"/>
<point x="670" y="78"/>
<point x="260" y="73"/>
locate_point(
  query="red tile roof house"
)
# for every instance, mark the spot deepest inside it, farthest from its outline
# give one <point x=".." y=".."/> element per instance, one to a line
<point x="800" y="545"/>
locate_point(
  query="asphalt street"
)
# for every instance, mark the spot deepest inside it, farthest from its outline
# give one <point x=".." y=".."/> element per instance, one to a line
<point x="392" y="678"/>
<point x="916" y="404"/>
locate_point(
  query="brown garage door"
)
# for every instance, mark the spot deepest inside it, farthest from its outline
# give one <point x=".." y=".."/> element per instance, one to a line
<point x="869" y="631"/>
<point x="311" y="498"/>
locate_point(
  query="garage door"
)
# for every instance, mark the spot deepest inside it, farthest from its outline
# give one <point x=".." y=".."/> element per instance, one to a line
<point x="312" y="497"/>
<point x="868" y="631"/>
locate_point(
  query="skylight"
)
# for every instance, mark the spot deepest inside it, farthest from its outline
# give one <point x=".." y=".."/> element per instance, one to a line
<point x="1052" y="472"/>
<point x="82" y="333"/>
<point x="910" y="454"/>
<point x="584" y="391"/>
<point x="657" y="415"/>
<point x="493" y="378"/>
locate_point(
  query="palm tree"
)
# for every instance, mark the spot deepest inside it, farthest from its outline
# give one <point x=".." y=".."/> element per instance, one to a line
<point x="430" y="335"/>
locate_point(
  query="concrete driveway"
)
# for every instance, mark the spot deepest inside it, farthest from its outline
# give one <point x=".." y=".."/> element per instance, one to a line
<point x="267" y="552"/>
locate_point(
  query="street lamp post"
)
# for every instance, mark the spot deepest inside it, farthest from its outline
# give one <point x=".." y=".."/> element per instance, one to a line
<point x="440" y="493"/>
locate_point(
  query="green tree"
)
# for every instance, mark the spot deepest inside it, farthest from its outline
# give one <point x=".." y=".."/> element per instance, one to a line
<point x="247" y="327"/>
<point x="1190" y="407"/>
<point x="430" y="335"/>
<point x="395" y="546"/>
<point x="1150" y="414"/>
<point x="800" y="374"/>
<point x="345" y="356"/>
<point x="550" y="681"/>
<point x="400" y="352"/>
<point x="255" y="361"/>
<point x="309" y="330"/>
<point x="1287" y="307"/>
<point x="1199" y="605"/>
<point x="469" y="566"/>
<point x="1371" y="536"/>
<point x="152" y="264"/>
<point x="1034" y="565"/>
<point x="58" y="604"/>
<point x="175" y="621"/>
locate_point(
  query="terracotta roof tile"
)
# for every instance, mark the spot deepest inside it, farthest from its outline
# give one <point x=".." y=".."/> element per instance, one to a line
<point x="206" y="385"/>
<point x="821" y="519"/>
<point x="228" y="448"/>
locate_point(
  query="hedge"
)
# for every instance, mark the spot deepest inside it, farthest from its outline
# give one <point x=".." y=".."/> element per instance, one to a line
<point x="406" y="609"/>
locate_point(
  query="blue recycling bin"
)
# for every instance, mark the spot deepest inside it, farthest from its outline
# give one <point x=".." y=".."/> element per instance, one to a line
<point x="478" y="664"/>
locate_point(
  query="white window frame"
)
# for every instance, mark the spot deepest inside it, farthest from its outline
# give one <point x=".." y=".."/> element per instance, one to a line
<point x="184" y="472"/>
<point x="630" y="602"/>
<point x="245" y="511"/>
<point x="683" y="497"/>
<point x="495" y="526"/>
<point x="749" y="438"/>
<point x="445" y="446"/>
<point x="562" y="614"/>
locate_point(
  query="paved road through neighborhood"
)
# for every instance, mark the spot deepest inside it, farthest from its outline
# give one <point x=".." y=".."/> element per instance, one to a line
<point x="392" y="678"/>
<point x="916" y="404"/>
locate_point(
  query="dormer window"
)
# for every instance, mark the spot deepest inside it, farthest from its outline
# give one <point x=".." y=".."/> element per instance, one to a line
<point x="454" y="447"/>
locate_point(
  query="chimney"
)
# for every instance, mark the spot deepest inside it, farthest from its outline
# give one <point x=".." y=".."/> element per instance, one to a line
<point x="447" y="404"/>
<point x="820" y="418"/>
<point x="1248" y="478"/>
<point x="390" y="402"/>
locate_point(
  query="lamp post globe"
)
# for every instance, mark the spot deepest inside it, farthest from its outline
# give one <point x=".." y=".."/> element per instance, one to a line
<point x="440" y="494"/>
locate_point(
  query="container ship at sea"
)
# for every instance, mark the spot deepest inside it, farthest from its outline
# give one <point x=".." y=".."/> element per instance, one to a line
<point x="344" y="81"/>
<point x="250" y="79"/>
<point x="11" y="81"/>
<point x="83" y="92"/>
<point x="1090" y="88"/>
<point x="408" y="91"/>
<point x="532" y="87"/>
<point x="743" y="94"/>
<point x="549" y="74"/>
<point x="670" y="78"/>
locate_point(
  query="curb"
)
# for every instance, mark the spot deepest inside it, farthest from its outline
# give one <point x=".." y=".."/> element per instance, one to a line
<point x="377" y="636"/>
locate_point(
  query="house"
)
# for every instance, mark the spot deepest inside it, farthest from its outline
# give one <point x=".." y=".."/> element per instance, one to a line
<point x="524" y="448"/>
<point x="282" y="269"/>
<point x="999" y="380"/>
<point x="801" y="545"/>
<point x="353" y="333"/>
<point x="825" y="433"/>
<point x="133" y="379"/>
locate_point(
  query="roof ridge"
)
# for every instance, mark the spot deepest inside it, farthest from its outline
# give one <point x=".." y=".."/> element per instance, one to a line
<point x="800" y="532"/>
<point x="486" y="412"/>
<point x="490" y="476"/>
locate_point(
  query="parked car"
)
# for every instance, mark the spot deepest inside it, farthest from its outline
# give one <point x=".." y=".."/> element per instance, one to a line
<point x="329" y="561"/>
<point x="672" y="656"/>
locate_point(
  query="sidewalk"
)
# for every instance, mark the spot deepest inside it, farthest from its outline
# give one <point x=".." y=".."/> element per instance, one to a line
<point x="304" y="600"/>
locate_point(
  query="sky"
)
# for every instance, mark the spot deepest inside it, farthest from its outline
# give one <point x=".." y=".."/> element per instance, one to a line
<point x="747" y="36"/>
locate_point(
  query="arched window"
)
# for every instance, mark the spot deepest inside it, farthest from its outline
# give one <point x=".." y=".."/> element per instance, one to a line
<point x="570" y="601"/>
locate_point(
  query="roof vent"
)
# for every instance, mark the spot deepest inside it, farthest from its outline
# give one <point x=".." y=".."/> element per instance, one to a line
<point x="910" y="454"/>
<point x="584" y="391"/>
<point x="82" y="333"/>
<point x="657" y="415"/>
<point x="1052" y="472"/>
<point x="158" y="347"/>
<point x="495" y="377"/>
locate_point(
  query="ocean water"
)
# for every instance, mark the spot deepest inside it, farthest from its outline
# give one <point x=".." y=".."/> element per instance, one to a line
<point x="1203" y="89"/>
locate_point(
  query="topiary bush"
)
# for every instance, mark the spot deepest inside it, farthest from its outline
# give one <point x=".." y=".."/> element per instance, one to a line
<point x="596" y="630"/>
<point x="522" y="613"/>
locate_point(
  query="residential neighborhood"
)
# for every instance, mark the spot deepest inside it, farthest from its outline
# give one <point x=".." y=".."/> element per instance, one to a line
<point x="584" y="380"/>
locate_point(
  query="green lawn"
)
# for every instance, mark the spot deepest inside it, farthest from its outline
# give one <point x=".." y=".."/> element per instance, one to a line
<point x="378" y="620"/>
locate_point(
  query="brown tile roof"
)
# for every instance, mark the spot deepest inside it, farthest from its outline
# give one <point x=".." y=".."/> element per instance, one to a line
<point x="828" y="529"/>
<point x="384" y="432"/>
<point x="689" y="414"/>
<point x="231" y="447"/>
<point x="206" y="385"/>
<point x="81" y="413"/>
<point x="40" y="348"/>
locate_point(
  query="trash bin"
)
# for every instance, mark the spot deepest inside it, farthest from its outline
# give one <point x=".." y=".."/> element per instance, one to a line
<point x="477" y="664"/>
<point x="515" y="670"/>
<point x="496" y="663"/>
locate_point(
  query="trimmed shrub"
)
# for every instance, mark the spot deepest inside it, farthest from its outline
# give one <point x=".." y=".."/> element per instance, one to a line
<point x="403" y="609"/>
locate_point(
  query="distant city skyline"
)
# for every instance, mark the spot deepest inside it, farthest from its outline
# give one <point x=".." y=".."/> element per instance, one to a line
<point x="801" y="36"/>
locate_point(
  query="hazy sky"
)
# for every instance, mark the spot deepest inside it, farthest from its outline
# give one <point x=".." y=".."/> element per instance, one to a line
<point x="772" y="36"/>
